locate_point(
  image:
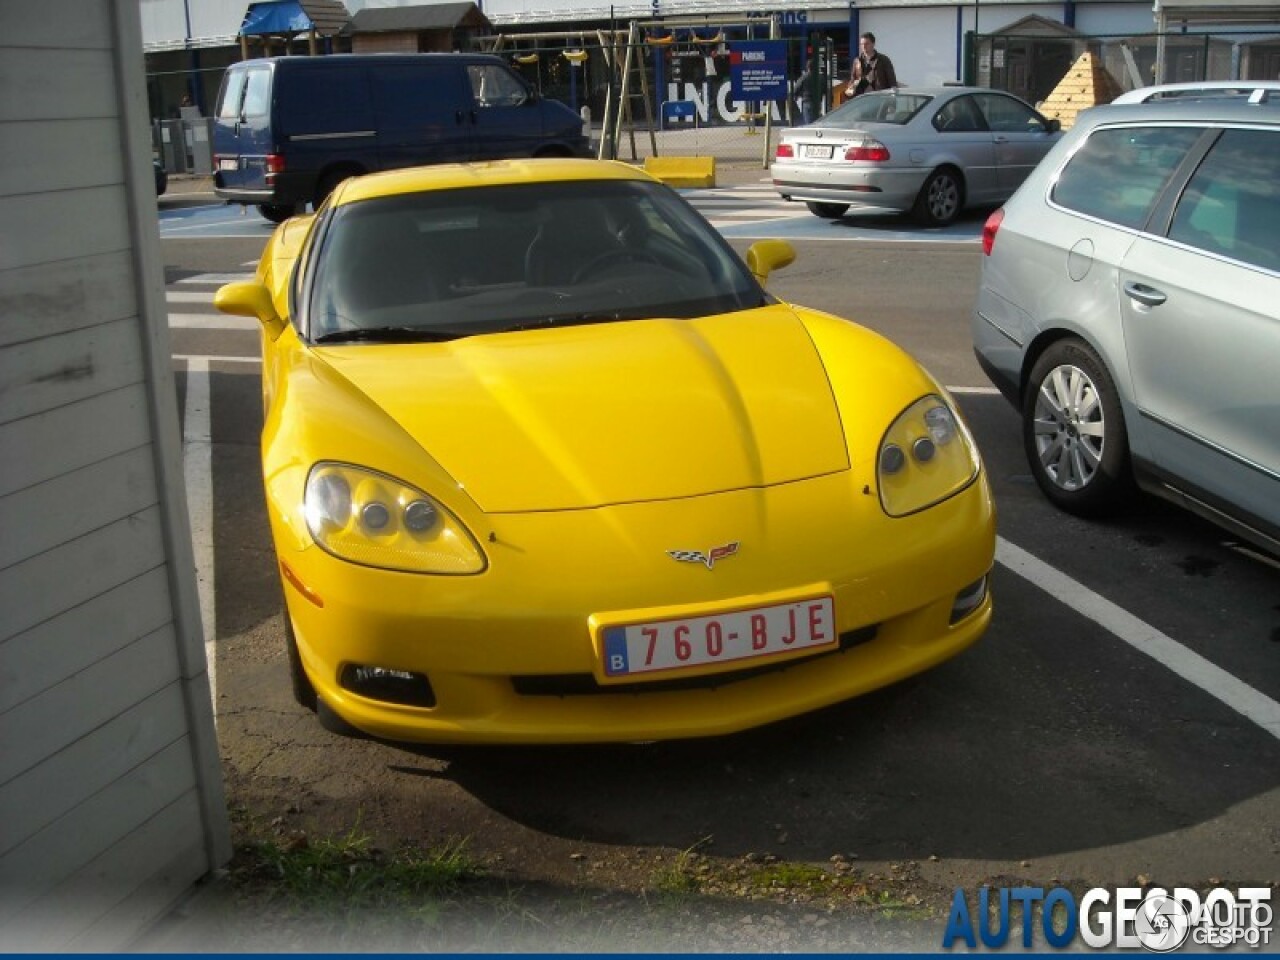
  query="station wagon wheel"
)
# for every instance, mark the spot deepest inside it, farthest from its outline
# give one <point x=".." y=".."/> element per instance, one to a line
<point x="941" y="198"/>
<point x="1073" y="430"/>
<point x="828" y="211"/>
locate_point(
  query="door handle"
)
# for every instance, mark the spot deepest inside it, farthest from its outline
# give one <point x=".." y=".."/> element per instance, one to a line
<point x="1147" y="296"/>
<point x="999" y="139"/>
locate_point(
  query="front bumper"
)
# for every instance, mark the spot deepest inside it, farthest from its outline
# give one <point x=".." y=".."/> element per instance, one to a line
<point x="511" y="658"/>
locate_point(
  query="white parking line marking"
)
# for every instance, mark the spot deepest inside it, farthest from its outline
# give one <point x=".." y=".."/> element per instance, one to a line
<point x="201" y="321"/>
<point x="197" y="458"/>
<point x="185" y="296"/>
<point x="1212" y="679"/>
<point x="980" y="391"/>
<point x="206" y="358"/>
<point x="217" y="279"/>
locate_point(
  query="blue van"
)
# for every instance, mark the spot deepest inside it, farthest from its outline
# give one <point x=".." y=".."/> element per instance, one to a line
<point x="290" y="129"/>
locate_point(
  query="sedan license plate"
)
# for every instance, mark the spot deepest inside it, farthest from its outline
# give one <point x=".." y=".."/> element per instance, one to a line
<point x="226" y="163"/>
<point x="718" y="638"/>
<point x="813" y="151"/>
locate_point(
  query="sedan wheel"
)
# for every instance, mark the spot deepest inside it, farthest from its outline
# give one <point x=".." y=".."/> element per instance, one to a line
<point x="828" y="211"/>
<point x="940" y="198"/>
<point x="1073" y="430"/>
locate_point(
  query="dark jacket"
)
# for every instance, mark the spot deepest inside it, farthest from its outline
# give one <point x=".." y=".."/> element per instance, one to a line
<point x="875" y="73"/>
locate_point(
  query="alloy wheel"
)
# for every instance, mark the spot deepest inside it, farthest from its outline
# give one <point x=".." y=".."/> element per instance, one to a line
<point x="1069" y="427"/>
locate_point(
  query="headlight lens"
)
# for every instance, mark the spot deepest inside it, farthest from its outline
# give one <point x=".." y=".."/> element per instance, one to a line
<point x="925" y="457"/>
<point x="375" y="520"/>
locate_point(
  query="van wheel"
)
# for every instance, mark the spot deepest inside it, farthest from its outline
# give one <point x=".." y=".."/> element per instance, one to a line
<point x="276" y="212"/>
<point x="330" y="182"/>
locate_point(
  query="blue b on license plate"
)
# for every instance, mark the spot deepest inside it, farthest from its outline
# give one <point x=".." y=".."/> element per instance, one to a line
<point x="735" y="635"/>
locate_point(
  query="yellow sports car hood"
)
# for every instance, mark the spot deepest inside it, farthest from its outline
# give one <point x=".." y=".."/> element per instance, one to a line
<point x="583" y="416"/>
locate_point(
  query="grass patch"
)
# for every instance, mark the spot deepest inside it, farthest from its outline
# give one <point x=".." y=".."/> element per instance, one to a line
<point x="791" y="876"/>
<point x="321" y="872"/>
<point x="680" y="879"/>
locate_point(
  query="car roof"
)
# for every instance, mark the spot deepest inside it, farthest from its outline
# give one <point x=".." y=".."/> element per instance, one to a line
<point x="1254" y="91"/>
<point x="1184" y="109"/>
<point x="452" y="176"/>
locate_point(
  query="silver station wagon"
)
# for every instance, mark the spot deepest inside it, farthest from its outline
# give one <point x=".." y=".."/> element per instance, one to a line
<point x="930" y="150"/>
<point x="1130" y="307"/>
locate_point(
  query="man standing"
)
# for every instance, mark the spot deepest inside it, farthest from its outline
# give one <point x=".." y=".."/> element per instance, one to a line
<point x="871" y="70"/>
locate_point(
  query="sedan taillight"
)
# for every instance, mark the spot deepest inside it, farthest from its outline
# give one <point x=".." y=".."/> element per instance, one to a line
<point x="989" y="231"/>
<point x="785" y="150"/>
<point x="872" y="151"/>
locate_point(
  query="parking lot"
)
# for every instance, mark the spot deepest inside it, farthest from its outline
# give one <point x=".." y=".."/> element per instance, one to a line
<point x="1118" y="724"/>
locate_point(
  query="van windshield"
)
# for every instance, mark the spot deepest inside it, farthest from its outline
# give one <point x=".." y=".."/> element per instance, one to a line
<point x="488" y="259"/>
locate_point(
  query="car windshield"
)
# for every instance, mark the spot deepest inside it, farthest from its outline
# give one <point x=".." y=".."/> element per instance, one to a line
<point x="881" y="107"/>
<point x="453" y="263"/>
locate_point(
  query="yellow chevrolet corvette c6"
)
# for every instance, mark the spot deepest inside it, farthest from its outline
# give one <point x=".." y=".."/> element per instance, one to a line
<point x="544" y="462"/>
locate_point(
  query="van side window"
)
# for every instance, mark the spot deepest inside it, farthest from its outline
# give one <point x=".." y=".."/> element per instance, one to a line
<point x="229" y="98"/>
<point x="257" y="94"/>
<point x="494" y="86"/>
<point x="1232" y="204"/>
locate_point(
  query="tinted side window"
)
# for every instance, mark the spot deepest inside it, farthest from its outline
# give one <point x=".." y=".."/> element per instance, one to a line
<point x="257" y="93"/>
<point x="1118" y="173"/>
<point x="1232" y="204"/>
<point x="958" y="116"/>
<point x="229" y="97"/>
<point x="1007" y="115"/>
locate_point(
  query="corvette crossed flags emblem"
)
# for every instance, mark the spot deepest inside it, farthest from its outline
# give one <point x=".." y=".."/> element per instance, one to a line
<point x="707" y="559"/>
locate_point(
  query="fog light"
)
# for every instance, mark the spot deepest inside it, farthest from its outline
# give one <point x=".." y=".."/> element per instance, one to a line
<point x="389" y="685"/>
<point x="968" y="600"/>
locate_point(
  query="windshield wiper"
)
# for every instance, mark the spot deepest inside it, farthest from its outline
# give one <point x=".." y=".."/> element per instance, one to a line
<point x="391" y="335"/>
<point x="566" y="320"/>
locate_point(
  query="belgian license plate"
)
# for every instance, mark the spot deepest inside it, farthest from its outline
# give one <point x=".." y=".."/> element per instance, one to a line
<point x="813" y="151"/>
<point x="718" y="638"/>
<point x="231" y="163"/>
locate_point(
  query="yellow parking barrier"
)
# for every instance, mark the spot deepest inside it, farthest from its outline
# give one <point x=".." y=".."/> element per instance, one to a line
<point x="683" y="171"/>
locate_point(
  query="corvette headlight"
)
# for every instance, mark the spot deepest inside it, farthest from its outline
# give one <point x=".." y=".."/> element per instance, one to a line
<point x="375" y="520"/>
<point x="926" y="456"/>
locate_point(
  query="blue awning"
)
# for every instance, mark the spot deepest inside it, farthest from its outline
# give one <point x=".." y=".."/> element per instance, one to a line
<point x="275" y="17"/>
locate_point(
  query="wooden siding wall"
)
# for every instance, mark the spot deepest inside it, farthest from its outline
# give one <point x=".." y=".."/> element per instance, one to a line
<point x="111" y="801"/>
<point x="385" y="43"/>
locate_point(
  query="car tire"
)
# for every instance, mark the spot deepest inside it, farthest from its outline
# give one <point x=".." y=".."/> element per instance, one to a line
<point x="276" y="212"/>
<point x="303" y="692"/>
<point x="1073" y="431"/>
<point x="941" y="198"/>
<point x="828" y="211"/>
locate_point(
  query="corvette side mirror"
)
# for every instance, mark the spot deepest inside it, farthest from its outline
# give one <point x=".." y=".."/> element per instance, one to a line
<point x="765" y="256"/>
<point x="250" y="299"/>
